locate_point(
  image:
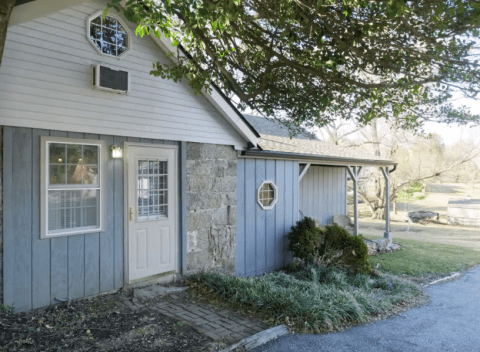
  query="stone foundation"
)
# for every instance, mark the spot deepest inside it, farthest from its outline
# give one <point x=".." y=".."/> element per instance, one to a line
<point x="211" y="206"/>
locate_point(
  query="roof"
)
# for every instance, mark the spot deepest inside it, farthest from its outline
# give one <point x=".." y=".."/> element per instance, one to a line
<point x="267" y="126"/>
<point x="275" y="141"/>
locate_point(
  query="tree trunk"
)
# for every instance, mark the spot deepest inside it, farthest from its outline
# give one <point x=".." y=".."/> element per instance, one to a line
<point x="379" y="214"/>
<point x="6" y="8"/>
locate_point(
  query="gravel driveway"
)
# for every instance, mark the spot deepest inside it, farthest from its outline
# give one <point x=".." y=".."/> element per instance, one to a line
<point x="450" y="322"/>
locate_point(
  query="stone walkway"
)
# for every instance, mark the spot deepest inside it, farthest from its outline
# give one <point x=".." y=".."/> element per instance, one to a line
<point x="220" y="324"/>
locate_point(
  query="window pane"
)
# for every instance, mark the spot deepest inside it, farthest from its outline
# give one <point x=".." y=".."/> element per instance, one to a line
<point x="109" y="49"/>
<point x="90" y="176"/>
<point x="97" y="20"/>
<point x="74" y="209"/>
<point x="90" y="154"/>
<point x="57" y="174"/>
<point x="109" y="36"/>
<point x="74" y="153"/>
<point x="75" y="174"/>
<point x="57" y="153"/>
<point x="110" y="22"/>
<point x="95" y="33"/>
<point x="122" y="38"/>
<point x="120" y="50"/>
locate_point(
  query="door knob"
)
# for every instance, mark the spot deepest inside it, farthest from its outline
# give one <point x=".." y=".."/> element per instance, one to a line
<point x="132" y="212"/>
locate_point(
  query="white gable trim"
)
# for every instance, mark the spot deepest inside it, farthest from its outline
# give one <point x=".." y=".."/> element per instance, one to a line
<point x="215" y="98"/>
<point x="39" y="8"/>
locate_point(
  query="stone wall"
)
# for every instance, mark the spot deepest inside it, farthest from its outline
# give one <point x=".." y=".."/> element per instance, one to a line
<point x="212" y="201"/>
<point x="1" y="214"/>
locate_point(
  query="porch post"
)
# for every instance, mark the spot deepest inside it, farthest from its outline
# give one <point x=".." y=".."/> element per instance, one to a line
<point x="386" y="174"/>
<point x="354" y="172"/>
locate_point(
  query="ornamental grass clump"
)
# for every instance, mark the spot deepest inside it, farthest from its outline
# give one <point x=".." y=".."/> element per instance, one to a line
<point x="312" y="299"/>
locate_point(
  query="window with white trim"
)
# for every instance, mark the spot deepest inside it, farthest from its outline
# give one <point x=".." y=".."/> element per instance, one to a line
<point x="73" y="186"/>
<point x="109" y="35"/>
<point x="267" y="195"/>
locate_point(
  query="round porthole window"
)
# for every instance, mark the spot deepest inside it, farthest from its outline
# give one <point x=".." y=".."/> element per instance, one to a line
<point x="109" y="35"/>
<point x="267" y="195"/>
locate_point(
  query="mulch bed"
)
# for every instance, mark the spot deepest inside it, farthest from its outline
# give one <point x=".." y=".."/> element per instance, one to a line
<point x="98" y="324"/>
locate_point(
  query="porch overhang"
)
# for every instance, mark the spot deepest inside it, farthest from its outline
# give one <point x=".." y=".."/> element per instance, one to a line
<point x="316" y="159"/>
<point x="353" y="165"/>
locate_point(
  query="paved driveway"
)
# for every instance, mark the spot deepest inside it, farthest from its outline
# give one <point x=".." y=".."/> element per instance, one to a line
<point x="451" y="322"/>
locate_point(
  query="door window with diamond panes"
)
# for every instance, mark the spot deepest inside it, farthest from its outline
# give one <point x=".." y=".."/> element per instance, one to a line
<point x="152" y="189"/>
<point x="73" y="187"/>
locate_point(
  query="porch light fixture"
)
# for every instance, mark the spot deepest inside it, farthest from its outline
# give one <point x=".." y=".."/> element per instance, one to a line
<point x="116" y="152"/>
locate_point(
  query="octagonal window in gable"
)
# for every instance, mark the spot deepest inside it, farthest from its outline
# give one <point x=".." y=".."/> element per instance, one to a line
<point x="109" y="35"/>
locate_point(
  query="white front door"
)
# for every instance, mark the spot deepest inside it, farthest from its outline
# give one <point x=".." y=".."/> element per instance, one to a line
<point x="151" y="210"/>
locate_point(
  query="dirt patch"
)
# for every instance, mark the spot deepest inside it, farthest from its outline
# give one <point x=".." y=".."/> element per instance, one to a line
<point x="99" y="324"/>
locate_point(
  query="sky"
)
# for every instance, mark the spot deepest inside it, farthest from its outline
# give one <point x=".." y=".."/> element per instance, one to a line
<point x="453" y="133"/>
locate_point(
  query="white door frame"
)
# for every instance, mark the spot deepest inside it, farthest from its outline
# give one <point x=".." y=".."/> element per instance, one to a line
<point x="126" y="164"/>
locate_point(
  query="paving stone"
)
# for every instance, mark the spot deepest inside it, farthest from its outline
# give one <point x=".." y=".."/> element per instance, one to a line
<point x="213" y="325"/>
<point x="213" y="335"/>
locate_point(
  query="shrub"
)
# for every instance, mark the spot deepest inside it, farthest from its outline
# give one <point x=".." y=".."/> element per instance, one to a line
<point x="338" y="247"/>
<point x="304" y="240"/>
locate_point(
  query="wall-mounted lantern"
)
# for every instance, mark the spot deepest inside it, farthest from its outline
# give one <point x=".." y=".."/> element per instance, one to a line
<point x="117" y="152"/>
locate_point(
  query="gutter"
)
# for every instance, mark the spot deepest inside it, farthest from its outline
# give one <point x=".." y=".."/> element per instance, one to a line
<point x="321" y="158"/>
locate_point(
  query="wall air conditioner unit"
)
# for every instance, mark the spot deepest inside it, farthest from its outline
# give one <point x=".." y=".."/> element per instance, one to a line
<point x="108" y="79"/>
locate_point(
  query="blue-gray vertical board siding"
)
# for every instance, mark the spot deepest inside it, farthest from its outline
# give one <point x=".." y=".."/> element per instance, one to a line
<point x="40" y="248"/>
<point x="106" y="238"/>
<point x="38" y="272"/>
<point x="326" y="186"/>
<point x="17" y="217"/>
<point x="250" y="220"/>
<point x="260" y="248"/>
<point x="270" y="222"/>
<point x="8" y="233"/>
<point x="261" y="233"/>
<point x="76" y="256"/>
<point x="118" y="188"/>
<point x="58" y="258"/>
<point x="92" y="252"/>
<point x="280" y="227"/>
<point x="240" y="238"/>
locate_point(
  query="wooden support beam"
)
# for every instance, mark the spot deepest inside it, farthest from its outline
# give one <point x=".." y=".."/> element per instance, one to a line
<point x="386" y="175"/>
<point x="354" y="172"/>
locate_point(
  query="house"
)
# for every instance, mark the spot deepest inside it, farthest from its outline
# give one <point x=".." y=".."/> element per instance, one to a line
<point x="113" y="178"/>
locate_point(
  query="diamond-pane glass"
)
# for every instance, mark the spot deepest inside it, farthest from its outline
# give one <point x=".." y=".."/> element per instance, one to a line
<point x="152" y="189"/>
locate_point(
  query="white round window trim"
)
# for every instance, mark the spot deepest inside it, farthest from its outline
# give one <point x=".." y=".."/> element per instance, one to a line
<point x="265" y="198"/>
<point x="109" y="36"/>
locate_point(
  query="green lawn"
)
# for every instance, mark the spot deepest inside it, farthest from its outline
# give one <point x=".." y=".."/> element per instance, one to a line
<point x="417" y="258"/>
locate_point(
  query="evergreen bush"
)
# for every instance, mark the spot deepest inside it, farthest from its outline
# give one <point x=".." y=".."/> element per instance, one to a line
<point x="304" y="239"/>
<point x="338" y="247"/>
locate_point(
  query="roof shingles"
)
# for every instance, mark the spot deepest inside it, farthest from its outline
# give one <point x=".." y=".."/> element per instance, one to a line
<point x="275" y="137"/>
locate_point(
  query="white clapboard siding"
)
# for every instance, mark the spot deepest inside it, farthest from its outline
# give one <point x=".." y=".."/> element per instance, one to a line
<point x="46" y="82"/>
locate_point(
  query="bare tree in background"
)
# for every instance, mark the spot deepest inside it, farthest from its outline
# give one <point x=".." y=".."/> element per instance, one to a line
<point x="420" y="158"/>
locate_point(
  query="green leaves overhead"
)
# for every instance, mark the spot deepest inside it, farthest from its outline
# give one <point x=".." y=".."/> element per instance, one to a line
<point x="313" y="60"/>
